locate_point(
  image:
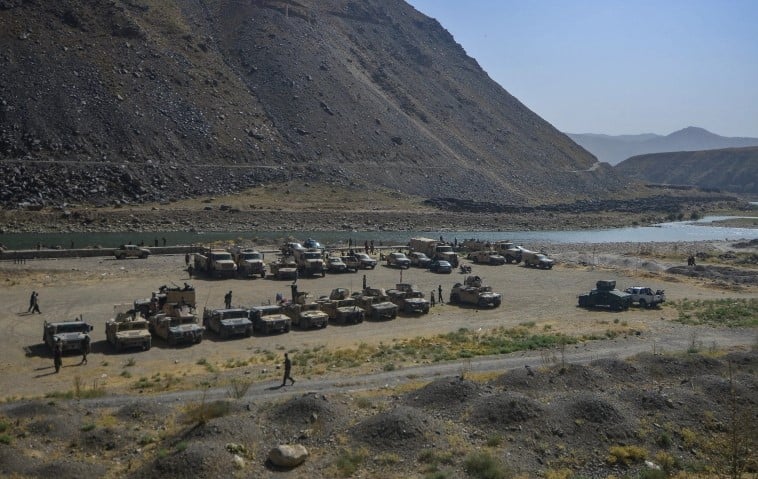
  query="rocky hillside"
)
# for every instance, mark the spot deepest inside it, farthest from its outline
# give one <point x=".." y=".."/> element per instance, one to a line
<point x="732" y="169"/>
<point x="144" y="100"/>
<point x="614" y="149"/>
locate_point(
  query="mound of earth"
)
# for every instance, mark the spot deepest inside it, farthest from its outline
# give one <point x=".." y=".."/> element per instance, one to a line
<point x="401" y="429"/>
<point x="504" y="409"/>
<point x="69" y="469"/>
<point x="724" y="274"/>
<point x="306" y="418"/>
<point x="568" y="377"/>
<point x="445" y="396"/>
<point x="677" y="367"/>
<point x="142" y="411"/>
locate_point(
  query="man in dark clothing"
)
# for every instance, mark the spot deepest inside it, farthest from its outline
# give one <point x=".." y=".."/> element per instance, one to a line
<point x="431" y="299"/>
<point x="287" y="370"/>
<point x="58" y="355"/>
<point x="228" y="300"/>
<point x="85" y="348"/>
<point x="190" y="270"/>
<point x="186" y="258"/>
<point x="31" y="301"/>
<point x="35" y="303"/>
<point x="439" y="294"/>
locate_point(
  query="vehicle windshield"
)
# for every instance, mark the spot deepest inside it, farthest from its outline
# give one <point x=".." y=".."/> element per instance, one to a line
<point x="72" y="328"/>
<point x="236" y="313"/>
<point x="130" y="325"/>
<point x="252" y="256"/>
<point x="313" y="255"/>
<point x="444" y="249"/>
<point x="362" y="256"/>
<point x="221" y="256"/>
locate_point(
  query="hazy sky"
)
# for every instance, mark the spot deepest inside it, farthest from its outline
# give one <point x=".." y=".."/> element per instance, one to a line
<point x="617" y="67"/>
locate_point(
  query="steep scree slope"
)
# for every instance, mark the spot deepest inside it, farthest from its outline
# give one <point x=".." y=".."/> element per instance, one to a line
<point x="143" y="100"/>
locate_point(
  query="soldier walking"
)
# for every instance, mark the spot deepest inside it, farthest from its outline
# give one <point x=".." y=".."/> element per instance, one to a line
<point x="228" y="300"/>
<point x="35" y="303"/>
<point x="58" y="355"/>
<point x="287" y="370"/>
<point x="31" y="301"/>
<point x="439" y="294"/>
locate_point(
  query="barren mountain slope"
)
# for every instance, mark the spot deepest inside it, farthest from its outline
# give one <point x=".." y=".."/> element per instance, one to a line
<point x="147" y="100"/>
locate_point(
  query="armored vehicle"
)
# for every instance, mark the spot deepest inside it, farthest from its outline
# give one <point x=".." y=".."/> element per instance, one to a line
<point x="605" y="295"/>
<point x="472" y="291"/>
<point x="398" y="260"/>
<point x="249" y="263"/>
<point x="409" y="299"/>
<point x="376" y="303"/>
<point x="310" y="262"/>
<point x="646" y="297"/>
<point x="127" y="329"/>
<point x="228" y="322"/>
<point x="486" y="257"/>
<point x="536" y="260"/>
<point x="131" y="251"/>
<point x="70" y="333"/>
<point x="285" y="267"/>
<point x="305" y="314"/>
<point x="171" y="315"/>
<point x="511" y="252"/>
<point x="341" y="307"/>
<point x="270" y="318"/>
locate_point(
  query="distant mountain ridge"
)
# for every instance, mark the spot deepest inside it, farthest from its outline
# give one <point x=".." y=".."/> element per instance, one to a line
<point x="615" y="149"/>
<point x="731" y="169"/>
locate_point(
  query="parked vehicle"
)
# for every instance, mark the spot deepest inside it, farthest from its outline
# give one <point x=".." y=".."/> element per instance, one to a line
<point x="217" y="263"/>
<point x="605" y="295"/>
<point x="127" y="329"/>
<point x="486" y="257"/>
<point x="341" y="307"/>
<point x="359" y="261"/>
<point x="376" y="303"/>
<point x="646" y="297"/>
<point x="249" y="262"/>
<point x="440" y="266"/>
<point x="69" y="333"/>
<point x="419" y="259"/>
<point x="284" y="267"/>
<point x="310" y="262"/>
<point x="473" y="291"/>
<point x="269" y="319"/>
<point x="408" y="298"/>
<point x="536" y="260"/>
<point x="436" y="250"/>
<point x="171" y="315"/>
<point x="334" y="264"/>
<point x="228" y="322"/>
<point x="131" y="251"/>
<point x="398" y="260"/>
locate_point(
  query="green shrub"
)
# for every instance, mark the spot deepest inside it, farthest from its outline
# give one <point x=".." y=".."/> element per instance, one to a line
<point x="482" y="465"/>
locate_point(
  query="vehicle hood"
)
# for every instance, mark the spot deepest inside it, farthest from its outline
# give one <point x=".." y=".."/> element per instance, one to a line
<point x="230" y="322"/>
<point x="69" y="337"/>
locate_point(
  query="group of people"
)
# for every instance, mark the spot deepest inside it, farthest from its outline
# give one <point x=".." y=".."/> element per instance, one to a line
<point x="58" y="352"/>
<point x="34" y="303"/>
<point x="433" y="299"/>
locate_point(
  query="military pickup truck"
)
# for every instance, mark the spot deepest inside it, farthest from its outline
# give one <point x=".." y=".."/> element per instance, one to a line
<point x="131" y="251"/>
<point x="341" y="307"/>
<point x="473" y="291"/>
<point x="228" y="322"/>
<point x="69" y="333"/>
<point x="285" y="267"/>
<point x="358" y="261"/>
<point x="486" y="257"/>
<point x="536" y="260"/>
<point x="605" y="295"/>
<point x="646" y="297"/>
<point x="127" y="329"/>
<point x="269" y="319"/>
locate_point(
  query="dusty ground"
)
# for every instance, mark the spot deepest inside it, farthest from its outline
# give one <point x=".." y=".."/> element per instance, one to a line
<point x="582" y="413"/>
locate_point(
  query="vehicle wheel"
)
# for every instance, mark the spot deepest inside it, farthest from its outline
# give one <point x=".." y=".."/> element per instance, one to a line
<point x="248" y="332"/>
<point x="454" y="298"/>
<point x="305" y="324"/>
<point x="147" y="345"/>
<point x="286" y="329"/>
<point x="199" y="340"/>
<point x="643" y="303"/>
<point x="263" y="275"/>
<point x="323" y="273"/>
<point x="223" y="333"/>
<point x="118" y="347"/>
<point x="172" y="341"/>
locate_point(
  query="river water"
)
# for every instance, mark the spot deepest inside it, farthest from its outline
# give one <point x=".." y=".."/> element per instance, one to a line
<point x="664" y="232"/>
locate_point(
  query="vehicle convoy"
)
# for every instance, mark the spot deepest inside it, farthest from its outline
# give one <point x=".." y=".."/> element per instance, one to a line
<point x="341" y="307"/>
<point x="605" y="295"/>
<point x="131" y="251"/>
<point x="646" y="297"/>
<point x="435" y="249"/>
<point x="376" y="303"/>
<point x="358" y="261"/>
<point x="408" y="298"/>
<point x="419" y="259"/>
<point x="303" y="313"/>
<point x="473" y="291"/>
<point x="398" y="260"/>
<point x="249" y="262"/>
<point x="228" y="322"/>
<point x="536" y="260"/>
<point x="70" y="333"/>
<point x="171" y="315"/>
<point x="486" y="257"/>
<point x="127" y="329"/>
<point x="284" y="267"/>
<point x="269" y="319"/>
<point x="310" y="262"/>
<point x="216" y="263"/>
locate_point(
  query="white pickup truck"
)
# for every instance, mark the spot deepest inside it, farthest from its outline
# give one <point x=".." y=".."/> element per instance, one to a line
<point x="646" y="297"/>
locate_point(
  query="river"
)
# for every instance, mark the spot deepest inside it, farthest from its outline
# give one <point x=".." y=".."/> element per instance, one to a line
<point x="665" y="232"/>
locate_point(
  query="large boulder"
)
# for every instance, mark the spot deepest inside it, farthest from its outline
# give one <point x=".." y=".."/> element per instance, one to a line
<point x="288" y="455"/>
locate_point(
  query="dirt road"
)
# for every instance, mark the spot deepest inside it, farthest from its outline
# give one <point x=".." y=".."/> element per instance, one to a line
<point x="90" y="287"/>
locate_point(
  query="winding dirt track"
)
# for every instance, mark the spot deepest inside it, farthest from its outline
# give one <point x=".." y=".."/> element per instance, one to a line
<point x="91" y="286"/>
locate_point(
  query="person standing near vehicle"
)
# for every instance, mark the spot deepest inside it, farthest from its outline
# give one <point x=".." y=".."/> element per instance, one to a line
<point x="228" y="300"/>
<point x="431" y="299"/>
<point x="439" y="294"/>
<point x="58" y="355"/>
<point x="287" y="370"/>
<point x="85" y="348"/>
